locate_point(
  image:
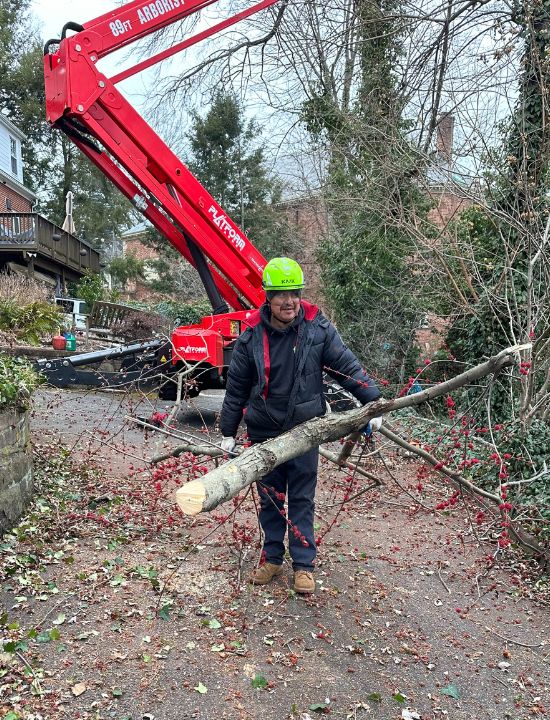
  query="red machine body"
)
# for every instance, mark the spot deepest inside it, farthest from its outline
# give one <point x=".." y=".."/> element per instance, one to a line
<point x="208" y="340"/>
<point x="86" y="105"/>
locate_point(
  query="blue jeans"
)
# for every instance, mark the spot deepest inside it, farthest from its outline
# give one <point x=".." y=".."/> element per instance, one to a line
<point x="296" y="480"/>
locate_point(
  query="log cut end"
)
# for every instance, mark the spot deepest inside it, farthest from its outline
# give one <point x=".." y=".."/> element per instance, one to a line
<point x="190" y="497"/>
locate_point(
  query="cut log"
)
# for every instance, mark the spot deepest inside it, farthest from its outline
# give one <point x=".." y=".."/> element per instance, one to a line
<point x="226" y="481"/>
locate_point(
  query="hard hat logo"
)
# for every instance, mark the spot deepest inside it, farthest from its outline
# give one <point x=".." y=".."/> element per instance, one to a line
<point x="282" y="274"/>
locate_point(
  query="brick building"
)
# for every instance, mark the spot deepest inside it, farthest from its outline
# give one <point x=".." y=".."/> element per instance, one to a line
<point x="449" y="198"/>
<point x="132" y="243"/>
<point x="309" y="217"/>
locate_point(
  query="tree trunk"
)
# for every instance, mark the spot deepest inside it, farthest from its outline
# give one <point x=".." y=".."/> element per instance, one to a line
<point x="223" y="483"/>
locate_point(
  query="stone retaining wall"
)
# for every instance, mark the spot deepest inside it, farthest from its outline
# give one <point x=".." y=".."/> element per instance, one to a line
<point x="16" y="484"/>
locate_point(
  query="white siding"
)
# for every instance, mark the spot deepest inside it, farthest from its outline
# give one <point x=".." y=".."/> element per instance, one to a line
<point x="5" y="153"/>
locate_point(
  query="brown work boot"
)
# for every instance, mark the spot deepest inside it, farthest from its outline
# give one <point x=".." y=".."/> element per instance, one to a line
<point x="304" y="582"/>
<point x="265" y="573"/>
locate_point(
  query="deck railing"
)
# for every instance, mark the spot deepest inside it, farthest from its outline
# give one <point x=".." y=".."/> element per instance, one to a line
<point x="32" y="232"/>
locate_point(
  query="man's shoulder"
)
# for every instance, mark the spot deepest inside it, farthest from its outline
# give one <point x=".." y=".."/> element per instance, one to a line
<point x="312" y="313"/>
<point x="246" y="335"/>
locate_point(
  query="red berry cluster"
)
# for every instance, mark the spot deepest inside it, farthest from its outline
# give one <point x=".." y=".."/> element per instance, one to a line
<point x="450" y="403"/>
<point x="273" y="495"/>
<point x="157" y="419"/>
<point x="405" y="389"/>
<point x="450" y="502"/>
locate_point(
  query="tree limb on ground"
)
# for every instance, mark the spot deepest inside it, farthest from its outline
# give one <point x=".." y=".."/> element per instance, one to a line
<point x="527" y="541"/>
<point x="225" y="482"/>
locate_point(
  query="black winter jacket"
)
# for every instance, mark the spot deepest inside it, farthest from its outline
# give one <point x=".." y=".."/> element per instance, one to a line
<point x="318" y="348"/>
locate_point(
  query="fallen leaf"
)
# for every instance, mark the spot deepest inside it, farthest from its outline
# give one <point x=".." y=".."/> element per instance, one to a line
<point x="259" y="682"/>
<point x="407" y="714"/>
<point x="451" y="691"/>
<point x="164" y="612"/>
<point x="202" y="689"/>
<point x="375" y="697"/>
<point x="318" y="707"/>
<point x="78" y="689"/>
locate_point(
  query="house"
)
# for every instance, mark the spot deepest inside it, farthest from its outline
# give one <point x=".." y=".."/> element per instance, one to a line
<point x="14" y="196"/>
<point x="29" y="243"/>
<point x="134" y="244"/>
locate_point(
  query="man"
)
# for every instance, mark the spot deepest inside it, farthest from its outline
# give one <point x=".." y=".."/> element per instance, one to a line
<point x="276" y="379"/>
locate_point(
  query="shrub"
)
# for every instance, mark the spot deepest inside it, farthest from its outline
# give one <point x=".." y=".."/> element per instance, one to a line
<point x="29" y="322"/>
<point x="17" y="381"/>
<point x="140" y="326"/>
<point x="23" y="290"/>
<point x="90" y="288"/>
<point x="179" y="313"/>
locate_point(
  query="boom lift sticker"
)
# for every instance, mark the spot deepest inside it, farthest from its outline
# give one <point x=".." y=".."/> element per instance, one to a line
<point x="146" y="14"/>
<point x="153" y="10"/>
<point x="222" y="222"/>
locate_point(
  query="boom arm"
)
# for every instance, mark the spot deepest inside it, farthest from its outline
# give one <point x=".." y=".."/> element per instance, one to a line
<point x="87" y="106"/>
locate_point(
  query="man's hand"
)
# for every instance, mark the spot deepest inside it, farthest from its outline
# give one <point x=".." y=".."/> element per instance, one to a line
<point x="374" y="425"/>
<point x="228" y="444"/>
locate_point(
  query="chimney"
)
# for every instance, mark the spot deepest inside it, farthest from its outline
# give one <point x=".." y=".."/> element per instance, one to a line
<point x="444" y="138"/>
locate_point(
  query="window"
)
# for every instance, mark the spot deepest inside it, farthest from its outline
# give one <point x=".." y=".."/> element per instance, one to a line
<point x="13" y="152"/>
<point x="67" y="305"/>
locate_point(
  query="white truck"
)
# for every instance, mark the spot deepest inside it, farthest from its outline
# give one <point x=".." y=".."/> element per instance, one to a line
<point x="75" y="311"/>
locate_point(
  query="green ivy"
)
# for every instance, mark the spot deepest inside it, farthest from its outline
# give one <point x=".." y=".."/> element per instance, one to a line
<point x="529" y="453"/>
<point x="17" y="382"/>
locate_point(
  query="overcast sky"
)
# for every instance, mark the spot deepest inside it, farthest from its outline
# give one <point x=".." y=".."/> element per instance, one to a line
<point x="53" y="14"/>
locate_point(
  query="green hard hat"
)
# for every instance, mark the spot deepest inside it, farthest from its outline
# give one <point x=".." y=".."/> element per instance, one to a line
<point x="282" y="273"/>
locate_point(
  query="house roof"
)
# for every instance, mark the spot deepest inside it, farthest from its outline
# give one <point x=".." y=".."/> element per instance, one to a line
<point x="11" y="127"/>
<point x="16" y="186"/>
<point x="138" y="229"/>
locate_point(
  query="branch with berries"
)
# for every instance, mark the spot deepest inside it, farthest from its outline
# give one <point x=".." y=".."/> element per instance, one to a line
<point x="498" y="501"/>
<point x="226" y="481"/>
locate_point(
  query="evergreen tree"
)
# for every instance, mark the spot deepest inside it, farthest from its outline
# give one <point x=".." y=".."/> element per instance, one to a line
<point x="229" y="161"/>
<point x="100" y="209"/>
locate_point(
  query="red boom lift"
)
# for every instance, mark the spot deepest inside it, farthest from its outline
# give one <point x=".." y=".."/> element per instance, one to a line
<point x="86" y="105"/>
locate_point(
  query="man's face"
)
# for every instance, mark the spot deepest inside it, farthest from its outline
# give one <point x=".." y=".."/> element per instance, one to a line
<point x="285" y="306"/>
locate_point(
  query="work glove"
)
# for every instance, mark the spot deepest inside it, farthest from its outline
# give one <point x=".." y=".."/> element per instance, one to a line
<point x="228" y="444"/>
<point x="373" y="426"/>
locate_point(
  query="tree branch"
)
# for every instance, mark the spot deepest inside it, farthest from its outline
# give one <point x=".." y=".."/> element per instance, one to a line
<point x="223" y="483"/>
